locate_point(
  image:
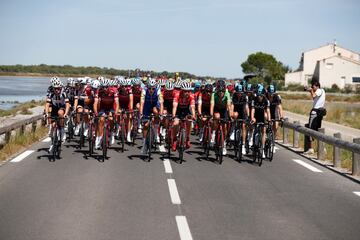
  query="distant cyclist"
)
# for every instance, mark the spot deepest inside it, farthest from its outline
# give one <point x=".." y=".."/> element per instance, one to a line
<point x="276" y="109"/>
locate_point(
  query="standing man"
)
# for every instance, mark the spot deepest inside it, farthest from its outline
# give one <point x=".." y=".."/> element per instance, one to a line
<point x="317" y="112"/>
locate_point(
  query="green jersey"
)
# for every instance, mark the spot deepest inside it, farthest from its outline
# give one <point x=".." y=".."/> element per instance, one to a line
<point x="221" y="103"/>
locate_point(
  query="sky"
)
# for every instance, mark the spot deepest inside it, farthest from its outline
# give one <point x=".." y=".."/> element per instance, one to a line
<point x="203" y="37"/>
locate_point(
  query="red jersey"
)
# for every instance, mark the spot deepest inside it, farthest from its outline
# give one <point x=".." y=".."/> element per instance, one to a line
<point x="124" y="97"/>
<point x="205" y="99"/>
<point x="107" y="97"/>
<point x="182" y="101"/>
<point x="196" y="95"/>
<point x="136" y="91"/>
<point x="168" y="95"/>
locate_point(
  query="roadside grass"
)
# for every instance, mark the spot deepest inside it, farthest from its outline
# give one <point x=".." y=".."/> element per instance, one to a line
<point x="329" y="97"/>
<point x="19" y="142"/>
<point x="22" y="108"/>
<point x="336" y="114"/>
<point x="345" y="155"/>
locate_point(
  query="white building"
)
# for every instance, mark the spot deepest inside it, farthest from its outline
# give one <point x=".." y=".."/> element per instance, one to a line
<point x="332" y="64"/>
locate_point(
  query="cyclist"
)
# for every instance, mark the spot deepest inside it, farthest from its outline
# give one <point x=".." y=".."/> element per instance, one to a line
<point x="240" y="108"/>
<point x="220" y="107"/>
<point x="168" y="95"/>
<point x="126" y="101"/>
<point x="251" y="96"/>
<point x="183" y="107"/>
<point x="136" y="90"/>
<point x="151" y="102"/>
<point x="106" y="102"/>
<point x="204" y="106"/>
<point x="84" y="103"/>
<point x="60" y="106"/>
<point x="276" y="109"/>
<point x="260" y="111"/>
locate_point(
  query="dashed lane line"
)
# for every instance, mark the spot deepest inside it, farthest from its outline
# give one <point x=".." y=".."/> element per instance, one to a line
<point x="183" y="227"/>
<point x="308" y="166"/>
<point x="167" y="166"/>
<point x="357" y="193"/>
<point x="22" y="156"/>
<point x="174" y="194"/>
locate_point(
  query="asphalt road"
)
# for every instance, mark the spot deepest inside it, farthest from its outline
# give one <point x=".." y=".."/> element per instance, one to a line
<point x="128" y="198"/>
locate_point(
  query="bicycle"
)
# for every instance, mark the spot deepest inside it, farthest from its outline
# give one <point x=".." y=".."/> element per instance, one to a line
<point x="55" y="139"/>
<point x="206" y="138"/>
<point x="70" y="127"/>
<point x="238" y="141"/>
<point x="150" y="135"/>
<point x="257" y="143"/>
<point x="219" y="141"/>
<point x="105" y="140"/>
<point x="91" y="133"/>
<point x="181" y="138"/>
<point x="270" y="140"/>
<point x="135" y="125"/>
<point x="121" y="129"/>
<point x="168" y="134"/>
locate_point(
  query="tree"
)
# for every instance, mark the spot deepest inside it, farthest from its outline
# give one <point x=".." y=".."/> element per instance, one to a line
<point x="264" y="66"/>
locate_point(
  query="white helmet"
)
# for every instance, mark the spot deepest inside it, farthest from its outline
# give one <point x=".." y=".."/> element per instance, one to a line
<point x="169" y="86"/>
<point x="185" y="85"/>
<point x="56" y="83"/>
<point x="104" y="82"/>
<point x="151" y="82"/>
<point x="95" y="84"/>
<point x="53" y="79"/>
<point x="136" y="81"/>
<point x="100" y="78"/>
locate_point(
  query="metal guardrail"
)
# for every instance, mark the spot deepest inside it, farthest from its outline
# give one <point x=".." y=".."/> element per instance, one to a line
<point x="320" y="136"/>
<point x="7" y="130"/>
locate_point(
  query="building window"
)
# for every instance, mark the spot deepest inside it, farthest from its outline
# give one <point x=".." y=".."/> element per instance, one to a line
<point x="329" y="65"/>
<point x="356" y="79"/>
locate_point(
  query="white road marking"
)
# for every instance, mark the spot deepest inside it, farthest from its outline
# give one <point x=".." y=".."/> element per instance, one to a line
<point x="308" y="166"/>
<point x="174" y="194"/>
<point x="162" y="148"/>
<point x="183" y="228"/>
<point x="48" y="139"/>
<point x="22" y="156"/>
<point x="357" y="193"/>
<point x="167" y="166"/>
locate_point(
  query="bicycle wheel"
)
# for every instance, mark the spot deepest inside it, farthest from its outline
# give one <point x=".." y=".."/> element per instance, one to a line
<point x="260" y="149"/>
<point x="70" y="129"/>
<point x="271" y="146"/>
<point x="122" y="133"/>
<point x="90" y="139"/>
<point x="149" y="141"/>
<point x="55" y="141"/>
<point x="238" y="144"/>
<point x="220" y="146"/>
<point x="208" y="141"/>
<point x="255" y="146"/>
<point x="181" y="145"/>
<point x="169" y="142"/>
<point x="81" y="132"/>
<point x="104" y="143"/>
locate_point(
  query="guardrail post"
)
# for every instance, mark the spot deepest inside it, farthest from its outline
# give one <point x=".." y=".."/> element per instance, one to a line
<point x="22" y="129"/>
<point x="33" y="126"/>
<point x="336" y="152"/>
<point x="296" y="136"/>
<point x="356" y="160"/>
<point x="7" y="137"/>
<point x="320" y="146"/>
<point x="285" y="133"/>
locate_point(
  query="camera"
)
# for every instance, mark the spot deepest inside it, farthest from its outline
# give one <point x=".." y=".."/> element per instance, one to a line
<point x="306" y="88"/>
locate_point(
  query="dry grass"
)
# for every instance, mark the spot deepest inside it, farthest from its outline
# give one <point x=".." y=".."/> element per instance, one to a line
<point x="21" y="141"/>
<point x="329" y="97"/>
<point x="336" y="113"/>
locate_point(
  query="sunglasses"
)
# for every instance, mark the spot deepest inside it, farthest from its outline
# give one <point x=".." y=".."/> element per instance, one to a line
<point x="57" y="89"/>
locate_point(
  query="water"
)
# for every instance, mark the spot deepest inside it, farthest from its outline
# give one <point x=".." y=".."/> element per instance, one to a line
<point x="15" y="90"/>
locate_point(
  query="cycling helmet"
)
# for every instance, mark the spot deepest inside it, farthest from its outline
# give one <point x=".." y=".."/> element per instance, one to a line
<point x="136" y="81"/>
<point x="220" y="85"/>
<point x="271" y="89"/>
<point x="209" y="87"/>
<point x="260" y="89"/>
<point x="169" y="86"/>
<point x="185" y="85"/>
<point x="100" y="78"/>
<point x="128" y="82"/>
<point x="177" y="84"/>
<point x="151" y="82"/>
<point x="249" y="87"/>
<point x="230" y="87"/>
<point x="56" y="83"/>
<point x="197" y="85"/>
<point x="104" y="82"/>
<point x="95" y="84"/>
<point x="239" y="88"/>
<point x="53" y="79"/>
